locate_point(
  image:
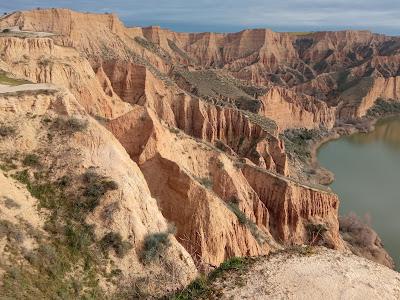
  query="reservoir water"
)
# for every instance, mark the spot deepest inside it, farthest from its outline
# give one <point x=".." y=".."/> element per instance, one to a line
<point x="367" y="178"/>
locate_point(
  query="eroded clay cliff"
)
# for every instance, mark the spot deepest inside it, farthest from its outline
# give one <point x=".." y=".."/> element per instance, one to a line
<point x="188" y="126"/>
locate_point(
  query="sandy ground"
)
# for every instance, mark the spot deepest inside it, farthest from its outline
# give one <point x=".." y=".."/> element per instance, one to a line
<point x="327" y="274"/>
<point x="26" y="87"/>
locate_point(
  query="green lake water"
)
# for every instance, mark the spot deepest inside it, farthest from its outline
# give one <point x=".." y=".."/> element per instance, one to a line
<point x="367" y="178"/>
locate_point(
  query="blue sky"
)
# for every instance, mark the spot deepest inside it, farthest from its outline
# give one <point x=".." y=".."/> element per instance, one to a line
<point x="221" y="15"/>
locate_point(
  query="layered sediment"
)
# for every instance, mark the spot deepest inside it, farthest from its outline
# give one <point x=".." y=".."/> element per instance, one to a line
<point x="191" y="127"/>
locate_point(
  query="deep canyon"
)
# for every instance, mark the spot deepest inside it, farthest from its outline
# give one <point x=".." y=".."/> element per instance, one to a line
<point x="137" y="160"/>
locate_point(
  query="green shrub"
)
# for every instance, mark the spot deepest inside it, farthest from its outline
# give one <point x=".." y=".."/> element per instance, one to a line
<point x="114" y="240"/>
<point x="233" y="205"/>
<point x="10" y="203"/>
<point x="96" y="187"/>
<point x="71" y="125"/>
<point x="31" y="160"/>
<point x="69" y="245"/>
<point x="239" y="214"/>
<point x="6" y="131"/>
<point x="234" y="263"/>
<point x="22" y="176"/>
<point x="10" y="231"/>
<point x="154" y="245"/>
<point x="206" y="182"/>
<point x="383" y="107"/>
<point x="197" y="288"/>
<point x="64" y="181"/>
<point x="316" y="232"/>
<point x="201" y="287"/>
<point x="78" y="237"/>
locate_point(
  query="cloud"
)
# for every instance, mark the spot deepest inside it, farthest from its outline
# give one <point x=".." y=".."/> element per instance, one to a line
<point x="379" y="16"/>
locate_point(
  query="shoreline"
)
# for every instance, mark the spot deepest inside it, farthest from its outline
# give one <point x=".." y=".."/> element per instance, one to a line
<point x="363" y="125"/>
<point x="326" y="177"/>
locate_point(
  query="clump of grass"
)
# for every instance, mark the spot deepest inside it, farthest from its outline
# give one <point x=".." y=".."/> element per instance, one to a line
<point x="71" y="243"/>
<point x="154" y="245"/>
<point x="244" y="220"/>
<point x="114" y="241"/>
<point x="206" y="182"/>
<point x="22" y="176"/>
<point x="7" y="80"/>
<point x="316" y="232"/>
<point x="71" y="125"/>
<point x="10" y="203"/>
<point x="239" y="214"/>
<point x="7" y="131"/>
<point x="304" y="250"/>
<point x="174" y="130"/>
<point x="11" y="231"/>
<point x="95" y="187"/>
<point x="31" y="160"/>
<point x="202" y="286"/>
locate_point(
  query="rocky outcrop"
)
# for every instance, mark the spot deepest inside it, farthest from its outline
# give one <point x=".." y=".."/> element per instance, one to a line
<point x="290" y="110"/>
<point x="293" y="207"/>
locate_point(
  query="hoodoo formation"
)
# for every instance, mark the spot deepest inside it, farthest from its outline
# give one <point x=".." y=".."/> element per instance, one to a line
<point x="134" y="160"/>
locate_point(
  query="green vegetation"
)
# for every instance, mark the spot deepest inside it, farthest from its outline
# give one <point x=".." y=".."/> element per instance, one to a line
<point x="266" y="124"/>
<point x="95" y="187"/>
<point x="299" y="33"/>
<point x="7" y="80"/>
<point x="69" y="258"/>
<point x="218" y="88"/>
<point x="239" y="214"/>
<point x="244" y="220"/>
<point x="152" y="47"/>
<point x="71" y="125"/>
<point x="10" y="203"/>
<point x="7" y="131"/>
<point x="201" y="288"/>
<point x="180" y="52"/>
<point x="114" y="241"/>
<point x="316" y="232"/>
<point x="384" y="108"/>
<point x="154" y="245"/>
<point x="10" y="231"/>
<point x="31" y="160"/>
<point x="298" y="141"/>
<point x="206" y="182"/>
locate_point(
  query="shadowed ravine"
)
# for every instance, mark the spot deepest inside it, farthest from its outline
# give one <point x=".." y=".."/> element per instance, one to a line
<point x="366" y="168"/>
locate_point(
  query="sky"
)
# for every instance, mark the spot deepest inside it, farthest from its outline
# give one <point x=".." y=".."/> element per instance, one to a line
<point x="382" y="16"/>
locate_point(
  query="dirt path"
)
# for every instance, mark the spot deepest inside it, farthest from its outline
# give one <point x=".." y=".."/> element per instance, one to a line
<point x="26" y="87"/>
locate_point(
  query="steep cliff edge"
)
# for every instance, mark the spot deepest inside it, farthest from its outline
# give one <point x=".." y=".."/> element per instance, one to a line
<point x="166" y="151"/>
<point x="300" y="274"/>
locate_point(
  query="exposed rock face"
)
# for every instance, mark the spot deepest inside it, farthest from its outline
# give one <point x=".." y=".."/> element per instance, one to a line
<point x="291" y="110"/>
<point x="194" y="130"/>
<point x="292" y="207"/>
